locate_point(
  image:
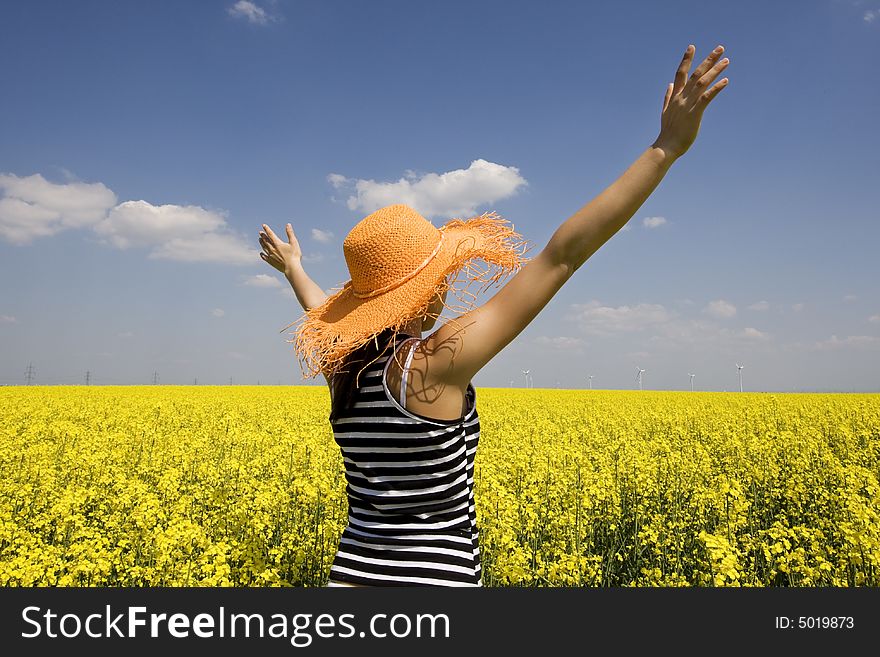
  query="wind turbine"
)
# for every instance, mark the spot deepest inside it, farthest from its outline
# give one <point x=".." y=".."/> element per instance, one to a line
<point x="739" y="369"/>
<point x="692" y="380"/>
<point x="528" y="378"/>
<point x="591" y="381"/>
<point x="639" y="376"/>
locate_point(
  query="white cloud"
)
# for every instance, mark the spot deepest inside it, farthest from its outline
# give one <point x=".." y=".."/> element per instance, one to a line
<point x="218" y="312"/>
<point x="8" y="319"/>
<point x="562" y="343"/>
<point x="139" y="223"/>
<point x="211" y="247"/>
<point x="874" y="319"/>
<point x="653" y="222"/>
<point x="760" y="305"/>
<point x="175" y="232"/>
<point x="69" y="175"/>
<point x="452" y="194"/>
<point x="694" y="332"/>
<point x="337" y="180"/>
<point x="21" y="222"/>
<point x="667" y="328"/>
<point x="871" y="15"/>
<point x="324" y="236"/>
<point x="720" y="308"/>
<point x="313" y="257"/>
<point x="850" y="297"/>
<point x="125" y="334"/>
<point x="32" y="207"/>
<point x="596" y="319"/>
<point x="250" y="12"/>
<point x="797" y="307"/>
<point x="262" y="280"/>
<point x="750" y="334"/>
<point x="856" y="341"/>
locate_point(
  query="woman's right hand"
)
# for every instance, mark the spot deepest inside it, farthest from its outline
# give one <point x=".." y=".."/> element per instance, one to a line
<point x="281" y="255"/>
<point x="686" y="99"/>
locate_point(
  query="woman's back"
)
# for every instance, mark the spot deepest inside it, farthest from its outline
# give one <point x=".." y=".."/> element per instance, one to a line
<point x="412" y="517"/>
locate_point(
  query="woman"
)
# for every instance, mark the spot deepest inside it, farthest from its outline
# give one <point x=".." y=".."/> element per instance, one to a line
<point x="403" y="408"/>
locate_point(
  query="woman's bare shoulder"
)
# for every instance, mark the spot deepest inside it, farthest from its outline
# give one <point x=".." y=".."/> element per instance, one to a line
<point x="427" y="393"/>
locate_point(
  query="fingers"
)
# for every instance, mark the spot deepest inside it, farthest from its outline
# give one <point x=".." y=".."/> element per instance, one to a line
<point x="707" y="96"/>
<point x="707" y="71"/>
<point x="268" y="239"/>
<point x="681" y="73"/>
<point x="269" y="232"/>
<point x="268" y="254"/>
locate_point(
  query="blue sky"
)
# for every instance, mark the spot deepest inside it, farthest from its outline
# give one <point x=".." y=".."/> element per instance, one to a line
<point x="143" y="144"/>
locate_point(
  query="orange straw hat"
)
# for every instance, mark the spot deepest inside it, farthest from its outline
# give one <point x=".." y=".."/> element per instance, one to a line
<point x="399" y="263"/>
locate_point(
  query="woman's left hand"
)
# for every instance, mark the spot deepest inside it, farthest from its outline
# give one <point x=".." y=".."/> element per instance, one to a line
<point x="278" y="253"/>
<point x="686" y="100"/>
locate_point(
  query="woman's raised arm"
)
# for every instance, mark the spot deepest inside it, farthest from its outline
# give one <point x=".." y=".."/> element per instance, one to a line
<point x="595" y="223"/>
<point x="459" y="349"/>
<point x="287" y="258"/>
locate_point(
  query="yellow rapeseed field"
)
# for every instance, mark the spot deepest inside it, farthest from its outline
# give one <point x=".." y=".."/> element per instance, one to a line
<point x="243" y="486"/>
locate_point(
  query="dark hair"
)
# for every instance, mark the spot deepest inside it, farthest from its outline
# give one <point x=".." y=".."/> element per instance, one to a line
<point x="343" y="388"/>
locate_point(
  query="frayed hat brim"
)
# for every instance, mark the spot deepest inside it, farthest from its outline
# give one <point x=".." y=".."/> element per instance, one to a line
<point x="326" y="334"/>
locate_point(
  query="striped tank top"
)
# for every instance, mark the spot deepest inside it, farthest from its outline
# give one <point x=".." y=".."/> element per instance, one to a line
<point x="411" y="513"/>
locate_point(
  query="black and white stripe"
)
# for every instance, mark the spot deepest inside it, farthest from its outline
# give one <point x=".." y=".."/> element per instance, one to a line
<point x="412" y="519"/>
